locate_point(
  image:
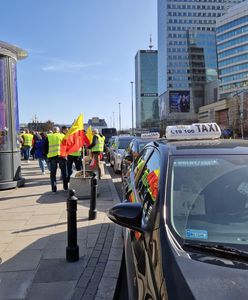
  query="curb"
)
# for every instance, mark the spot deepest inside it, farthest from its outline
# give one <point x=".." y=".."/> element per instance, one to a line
<point x="108" y="283"/>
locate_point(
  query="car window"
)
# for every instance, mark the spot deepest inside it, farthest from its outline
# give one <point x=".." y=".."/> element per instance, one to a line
<point x="141" y="145"/>
<point x="129" y="147"/>
<point x="209" y="198"/>
<point x="137" y="167"/>
<point x="140" y="162"/>
<point x="147" y="184"/>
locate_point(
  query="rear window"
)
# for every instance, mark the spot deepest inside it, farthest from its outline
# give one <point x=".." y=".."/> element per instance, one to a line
<point x="122" y="144"/>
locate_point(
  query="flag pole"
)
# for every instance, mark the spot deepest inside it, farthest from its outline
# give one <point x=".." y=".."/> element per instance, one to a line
<point x="83" y="162"/>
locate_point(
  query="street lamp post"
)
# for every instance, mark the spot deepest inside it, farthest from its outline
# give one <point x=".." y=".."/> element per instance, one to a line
<point x="113" y="119"/>
<point x="119" y="116"/>
<point x="242" y="115"/>
<point x="132" y="102"/>
<point x="240" y="94"/>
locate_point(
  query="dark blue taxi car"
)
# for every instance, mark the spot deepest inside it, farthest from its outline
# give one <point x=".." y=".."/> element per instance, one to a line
<point x="186" y="211"/>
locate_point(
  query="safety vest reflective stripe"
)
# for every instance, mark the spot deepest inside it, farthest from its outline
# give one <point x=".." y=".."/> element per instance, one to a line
<point x="99" y="145"/>
<point x="28" y="139"/>
<point x="54" y="141"/>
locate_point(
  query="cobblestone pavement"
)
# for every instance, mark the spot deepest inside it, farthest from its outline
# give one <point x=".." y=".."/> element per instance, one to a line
<point x="33" y="240"/>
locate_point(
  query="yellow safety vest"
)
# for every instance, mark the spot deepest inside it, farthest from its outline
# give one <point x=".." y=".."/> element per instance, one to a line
<point x="28" y="139"/>
<point x="54" y="141"/>
<point x="76" y="153"/>
<point x="99" y="145"/>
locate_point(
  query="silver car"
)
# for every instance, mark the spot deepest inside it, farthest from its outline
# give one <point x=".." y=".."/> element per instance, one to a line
<point x="117" y="151"/>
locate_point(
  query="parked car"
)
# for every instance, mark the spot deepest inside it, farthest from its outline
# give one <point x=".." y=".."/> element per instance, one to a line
<point x="108" y="147"/>
<point x="119" y="145"/>
<point x="133" y="150"/>
<point x="186" y="214"/>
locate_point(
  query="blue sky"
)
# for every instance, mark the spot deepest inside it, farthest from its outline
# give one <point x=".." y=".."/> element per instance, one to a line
<point x="81" y="55"/>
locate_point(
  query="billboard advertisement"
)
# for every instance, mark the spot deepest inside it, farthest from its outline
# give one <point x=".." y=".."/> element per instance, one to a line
<point x="179" y="101"/>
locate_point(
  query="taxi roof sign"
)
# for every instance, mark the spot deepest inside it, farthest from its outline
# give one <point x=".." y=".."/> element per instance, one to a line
<point x="193" y="132"/>
<point x="150" y="135"/>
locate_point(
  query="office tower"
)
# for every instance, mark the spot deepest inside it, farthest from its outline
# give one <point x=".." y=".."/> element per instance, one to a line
<point x="186" y="55"/>
<point x="232" y="50"/>
<point x="146" y="89"/>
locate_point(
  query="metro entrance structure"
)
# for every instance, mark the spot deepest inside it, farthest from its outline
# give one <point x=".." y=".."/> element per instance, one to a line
<point x="10" y="160"/>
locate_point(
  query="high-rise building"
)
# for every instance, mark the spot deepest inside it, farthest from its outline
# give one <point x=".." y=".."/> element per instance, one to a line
<point x="146" y="89"/>
<point x="186" y="55"/>
<point x="232" y="50"/>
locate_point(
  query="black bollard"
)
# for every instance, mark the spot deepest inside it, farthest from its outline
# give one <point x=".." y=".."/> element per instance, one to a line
<point x="72" y="249"/>
<point x="93" y="211"/>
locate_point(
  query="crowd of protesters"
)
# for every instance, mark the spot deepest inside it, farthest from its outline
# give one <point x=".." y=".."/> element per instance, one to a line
<point x="45" y="148"/>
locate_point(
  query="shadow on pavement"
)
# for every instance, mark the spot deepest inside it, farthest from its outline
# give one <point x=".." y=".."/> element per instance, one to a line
<point x="20" y="197"/>
<point x="40" y="270"/>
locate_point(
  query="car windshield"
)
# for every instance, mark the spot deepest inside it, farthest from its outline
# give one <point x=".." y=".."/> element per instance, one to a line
<point x="209" y="198"/>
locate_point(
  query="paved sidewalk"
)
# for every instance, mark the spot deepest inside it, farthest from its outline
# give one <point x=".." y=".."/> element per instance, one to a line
<point x="33" y="240"/>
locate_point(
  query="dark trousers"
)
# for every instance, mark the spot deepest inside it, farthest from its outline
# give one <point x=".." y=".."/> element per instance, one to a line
<point x="54" y="162"/>
<point x="96" y="156"/>
<point x="26" y="152"/>
<point x="77" y="160"/>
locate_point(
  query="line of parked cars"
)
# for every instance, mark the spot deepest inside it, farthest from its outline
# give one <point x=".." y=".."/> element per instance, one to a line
<point x="185" y="209"/>
<point x="122" y="150"/>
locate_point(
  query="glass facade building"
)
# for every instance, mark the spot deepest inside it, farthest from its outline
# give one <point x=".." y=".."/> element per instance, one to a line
<point x="232" y="50"/>
<point x="146" y="89"/>
<point x="186" y="54"/>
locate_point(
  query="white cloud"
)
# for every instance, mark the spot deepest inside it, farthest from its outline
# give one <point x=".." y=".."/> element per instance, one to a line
<point x="65" y="66"/>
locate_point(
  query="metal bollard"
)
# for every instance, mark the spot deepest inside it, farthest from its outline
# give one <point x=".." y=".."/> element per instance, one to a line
<point x="72" y="249"/>
<point x="93" y="211"/>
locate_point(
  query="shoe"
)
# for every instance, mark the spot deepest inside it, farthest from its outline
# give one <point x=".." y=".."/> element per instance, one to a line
<point x="43" y="173"/>
<point x="54" y="190"/>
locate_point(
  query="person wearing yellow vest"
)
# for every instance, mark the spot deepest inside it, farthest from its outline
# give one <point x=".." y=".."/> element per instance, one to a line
<point x="52" y="150"/>
<point x="27" y="144"/>
<point x="76" y="158"/>
<point x="97" y="147"/>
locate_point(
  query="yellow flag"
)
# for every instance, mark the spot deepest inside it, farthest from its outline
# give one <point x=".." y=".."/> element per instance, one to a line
<point x="89" y="134"/>
<point x="78" y="125"/>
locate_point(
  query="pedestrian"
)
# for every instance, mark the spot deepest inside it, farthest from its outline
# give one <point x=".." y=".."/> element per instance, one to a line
<point x="39" y="152"/>
<point x="52" y="150"/>
<point x="76" y="159"/>
<point x="104" y="145"/>
<point x="27" y="144"/>
<point x="96" y="147"/>
<point x="64" y="130"/>
<point x="36" y="138"/>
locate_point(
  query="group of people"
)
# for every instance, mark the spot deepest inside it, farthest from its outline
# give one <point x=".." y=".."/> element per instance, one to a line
<point x="32" y="145"/>
<point x="47" y="148"/>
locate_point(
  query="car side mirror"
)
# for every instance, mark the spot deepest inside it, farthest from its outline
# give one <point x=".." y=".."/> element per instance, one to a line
<point x="127" y="214"/>
<point x="129" y="158"/>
